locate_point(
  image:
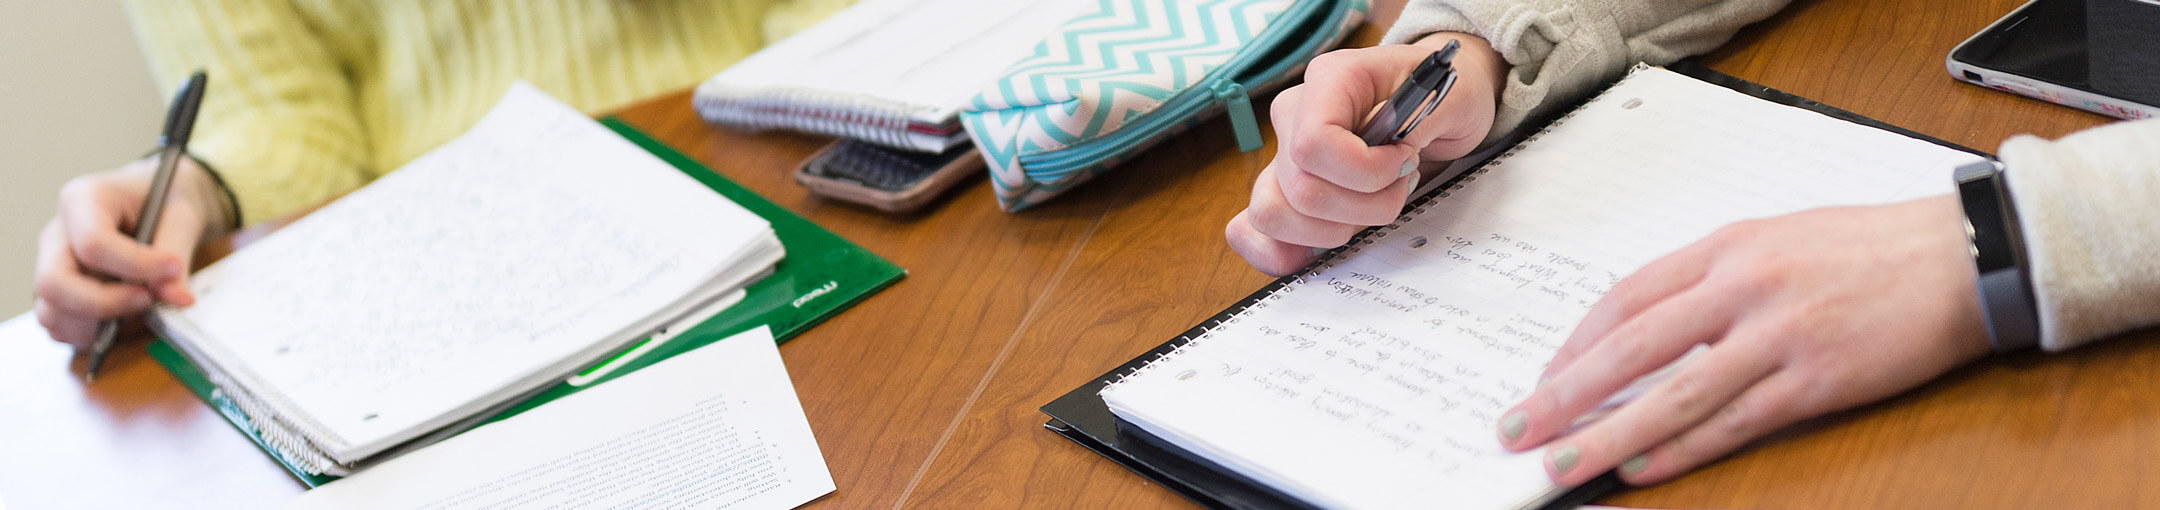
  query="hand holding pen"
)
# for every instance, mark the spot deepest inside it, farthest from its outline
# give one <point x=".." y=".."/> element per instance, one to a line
<point x="91" y="271"/>
<point x="1327" y="181"/>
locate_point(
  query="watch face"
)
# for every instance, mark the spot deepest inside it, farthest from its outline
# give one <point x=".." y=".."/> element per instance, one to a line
<point x="1985" y="224"/>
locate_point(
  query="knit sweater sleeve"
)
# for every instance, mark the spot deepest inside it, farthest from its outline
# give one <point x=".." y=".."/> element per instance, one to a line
<point x="1562" y="50"/>
<point x="278" y="120"/>
<point x="2085" y="206"/>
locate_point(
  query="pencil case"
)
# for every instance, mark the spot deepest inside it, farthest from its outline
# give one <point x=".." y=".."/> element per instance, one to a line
<point x="1127" y="74"/>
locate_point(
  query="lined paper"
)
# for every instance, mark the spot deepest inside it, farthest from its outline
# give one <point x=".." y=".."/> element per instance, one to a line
<point x="718" y="427"/>
<point x="1377" y="381"/>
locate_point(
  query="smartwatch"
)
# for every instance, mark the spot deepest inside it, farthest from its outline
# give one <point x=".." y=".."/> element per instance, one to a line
<point x="1998" y="251"/>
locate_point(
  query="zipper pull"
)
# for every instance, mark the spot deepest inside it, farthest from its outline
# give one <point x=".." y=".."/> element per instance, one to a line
<point x="1239" y="107"/>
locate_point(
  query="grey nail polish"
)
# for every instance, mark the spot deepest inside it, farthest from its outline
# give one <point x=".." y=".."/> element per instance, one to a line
<point x="1409" y="166"/>
<point x="1513" y="424"/>
<point x="1564" y="458"/>
<point x="1317" y="252"/>
<point x="1635" y="464"/>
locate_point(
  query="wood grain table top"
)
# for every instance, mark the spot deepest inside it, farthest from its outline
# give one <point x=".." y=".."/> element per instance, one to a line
<point x="925" y="394"/>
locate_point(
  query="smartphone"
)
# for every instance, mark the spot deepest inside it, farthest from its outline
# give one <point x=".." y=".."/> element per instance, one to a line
<point x="2097" y="55"/>
<point x="890" y="180"/>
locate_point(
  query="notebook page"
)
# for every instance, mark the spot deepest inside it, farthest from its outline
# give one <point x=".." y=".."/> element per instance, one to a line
<point x="716" y="427"/>
<point x="1377" y="381"/>
<point x="525" y="241"/>
<point x="926" y="56"/>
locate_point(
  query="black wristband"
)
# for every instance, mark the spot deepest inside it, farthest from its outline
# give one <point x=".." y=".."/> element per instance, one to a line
<point x="232" y="201"/>
<point x="1998" y="250"/>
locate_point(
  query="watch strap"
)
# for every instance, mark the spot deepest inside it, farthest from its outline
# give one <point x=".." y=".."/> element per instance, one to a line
<point x="2004" y="278"/>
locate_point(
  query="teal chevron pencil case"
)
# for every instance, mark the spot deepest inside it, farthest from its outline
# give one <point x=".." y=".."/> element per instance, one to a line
<point x="1127" y="74"/>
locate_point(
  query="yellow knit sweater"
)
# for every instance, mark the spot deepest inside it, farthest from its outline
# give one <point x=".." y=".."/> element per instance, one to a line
<point x="310" y="99"/>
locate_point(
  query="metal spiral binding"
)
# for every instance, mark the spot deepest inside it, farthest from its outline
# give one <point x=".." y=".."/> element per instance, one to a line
<point x="879" y="122"/>
<point x="289" y="444"/>
<point x="1208" y="329"/>
<point x="282" y="438"/>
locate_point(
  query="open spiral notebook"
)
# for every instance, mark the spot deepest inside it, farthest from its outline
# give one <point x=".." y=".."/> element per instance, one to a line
<point x="1374" y="378"/>
<point x="670" y="212"/>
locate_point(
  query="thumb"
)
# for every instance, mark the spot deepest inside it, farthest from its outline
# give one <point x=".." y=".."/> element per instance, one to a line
<point x="177" y="236"/>
<point x="1276" y="258"/>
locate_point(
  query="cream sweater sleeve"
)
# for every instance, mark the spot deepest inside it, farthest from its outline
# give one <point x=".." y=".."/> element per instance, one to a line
<point x="2092" y="229"/>
<point x="1562" y="50"/>
<point x="278" y="120"/>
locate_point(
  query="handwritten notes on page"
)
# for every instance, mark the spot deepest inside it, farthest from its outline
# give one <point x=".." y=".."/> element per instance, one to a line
<point x="1376" y="380"/>
<point x="718" y="427"/>
<point x="534" y="243"/>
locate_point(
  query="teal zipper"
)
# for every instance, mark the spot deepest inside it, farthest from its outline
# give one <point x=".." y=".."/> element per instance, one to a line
<point x="1210" y="90"/>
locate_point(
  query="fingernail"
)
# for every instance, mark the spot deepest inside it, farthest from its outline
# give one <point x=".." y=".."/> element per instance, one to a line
<point x="1317" y="252"/>
<point x="1564" y="458"/>
<point x="1409" y="166"/>
<point x="1513" y="424"/>
<point x="1634" y="464"/>
<point x="180" y="296"/>
<point x="1541" y="380"/>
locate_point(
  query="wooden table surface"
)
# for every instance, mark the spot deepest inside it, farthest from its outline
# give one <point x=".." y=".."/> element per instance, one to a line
<point x="925" y="394"/>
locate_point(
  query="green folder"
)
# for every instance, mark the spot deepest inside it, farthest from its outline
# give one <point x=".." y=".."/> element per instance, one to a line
<point x="821" y="275"/>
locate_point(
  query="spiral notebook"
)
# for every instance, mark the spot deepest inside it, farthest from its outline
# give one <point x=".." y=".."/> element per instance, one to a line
<point x="1374" y="378"/>
<point x="486" y="270"/>
<point x="790" y="301"/>
<point x="889" y="72"/>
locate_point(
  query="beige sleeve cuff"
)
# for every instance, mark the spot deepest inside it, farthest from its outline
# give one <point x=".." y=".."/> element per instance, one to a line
<point x="1564" y="50"/>
<point x="2087" y="206"/>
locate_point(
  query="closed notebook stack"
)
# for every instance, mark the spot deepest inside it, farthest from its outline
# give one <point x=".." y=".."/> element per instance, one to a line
<point x="891" y="72"/>
<point x="531" y="247"/>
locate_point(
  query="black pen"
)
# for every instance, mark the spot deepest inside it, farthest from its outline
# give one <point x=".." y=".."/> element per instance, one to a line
<point x="1421" y="92"/>
<point x="172" y="145"/>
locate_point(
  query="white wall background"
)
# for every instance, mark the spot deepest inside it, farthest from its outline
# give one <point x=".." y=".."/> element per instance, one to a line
<point x="75" y="97"/>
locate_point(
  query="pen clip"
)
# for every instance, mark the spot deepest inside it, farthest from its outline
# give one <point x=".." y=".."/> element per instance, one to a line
<point x="1431" y="101"/>
<point x="1421" y="92"/>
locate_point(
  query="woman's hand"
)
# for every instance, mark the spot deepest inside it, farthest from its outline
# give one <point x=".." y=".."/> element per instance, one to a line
<point x="1324" y="183"/>
<point x="89" y="267"/>
<point x="1804" y="314"/>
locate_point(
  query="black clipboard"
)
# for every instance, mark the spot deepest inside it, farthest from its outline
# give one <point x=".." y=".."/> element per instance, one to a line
<point x="1081" y="416"/>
